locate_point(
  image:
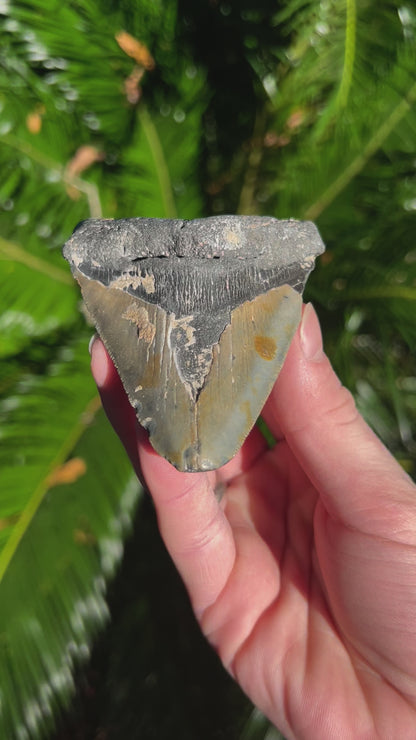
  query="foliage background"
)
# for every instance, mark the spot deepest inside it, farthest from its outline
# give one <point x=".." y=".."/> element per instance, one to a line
<point x="166" y="108"/>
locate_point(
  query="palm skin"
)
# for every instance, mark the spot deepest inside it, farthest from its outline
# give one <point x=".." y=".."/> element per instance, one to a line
<point x="303" y="578"/>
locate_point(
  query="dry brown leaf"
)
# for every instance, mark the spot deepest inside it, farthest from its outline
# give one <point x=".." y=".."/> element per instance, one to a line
<point x="34" y="119"/>
<point x="132" y="85"/>
<point x="135" y="49"/>
<point x="296" y="118"/>
<point x="272" y="140"/>
<point x="69" y="472"/>
<point x="83" y="158"/>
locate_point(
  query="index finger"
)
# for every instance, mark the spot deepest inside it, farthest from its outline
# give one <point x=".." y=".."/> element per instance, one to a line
<point x="193" y="525"/>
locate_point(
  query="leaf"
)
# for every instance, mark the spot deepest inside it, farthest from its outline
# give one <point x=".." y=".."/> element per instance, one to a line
<point x="62" y="537"/>
<point x="339" y="131"/>
<point x="135" y="49"/>
<point x="258" y="727"/>
<point x="36" y="298"/>
<point x="160" y="175"/>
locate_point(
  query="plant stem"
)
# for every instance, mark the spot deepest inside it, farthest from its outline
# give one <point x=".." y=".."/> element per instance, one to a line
<point x="349" y="54"/>
<point x="246" y="205"/>
<point x="11" y="251"/>
<point x="161" y="167"/>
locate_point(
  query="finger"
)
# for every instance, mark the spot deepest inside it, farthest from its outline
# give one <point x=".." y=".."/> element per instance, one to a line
<point x="359" y="481"/>
<point x="268" y="414"/>
<point x="193" y="526"/>
<point x="114" y="399"/>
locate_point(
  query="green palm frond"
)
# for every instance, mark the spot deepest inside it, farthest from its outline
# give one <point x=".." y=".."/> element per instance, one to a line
<point x="67" y="498"/>
<point x="47" y="303"/>
<point x="53" y="570"/>
<point x="158" y="173"/>
<point x="335" y="145"/>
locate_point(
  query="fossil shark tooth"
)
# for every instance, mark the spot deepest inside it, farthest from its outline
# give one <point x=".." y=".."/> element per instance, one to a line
<point x="198" y="317"/>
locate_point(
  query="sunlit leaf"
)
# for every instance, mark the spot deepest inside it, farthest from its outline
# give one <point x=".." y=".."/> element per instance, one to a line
<point x="36" y="298"/>
<point x="62" y="537"/>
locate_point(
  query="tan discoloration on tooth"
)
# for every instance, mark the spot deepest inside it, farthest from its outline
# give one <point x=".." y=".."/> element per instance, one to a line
<point x="123" y="282"/>
<point x="184" y="324"/>
<point x="265" y="347"/>
<point x="140" y="317"/>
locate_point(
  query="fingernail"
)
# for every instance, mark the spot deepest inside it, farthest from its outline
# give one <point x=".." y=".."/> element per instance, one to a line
<point x="311" y="335"/>
<point x="91" y="342"/>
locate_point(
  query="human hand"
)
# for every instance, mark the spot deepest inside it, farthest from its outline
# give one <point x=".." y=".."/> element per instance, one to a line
<point x="303" y="578"/>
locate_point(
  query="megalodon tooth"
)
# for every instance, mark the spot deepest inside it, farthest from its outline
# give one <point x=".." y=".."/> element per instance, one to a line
<point x="198" y="317"/>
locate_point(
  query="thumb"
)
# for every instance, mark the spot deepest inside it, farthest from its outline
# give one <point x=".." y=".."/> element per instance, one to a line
<point x="358" y="480"/>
